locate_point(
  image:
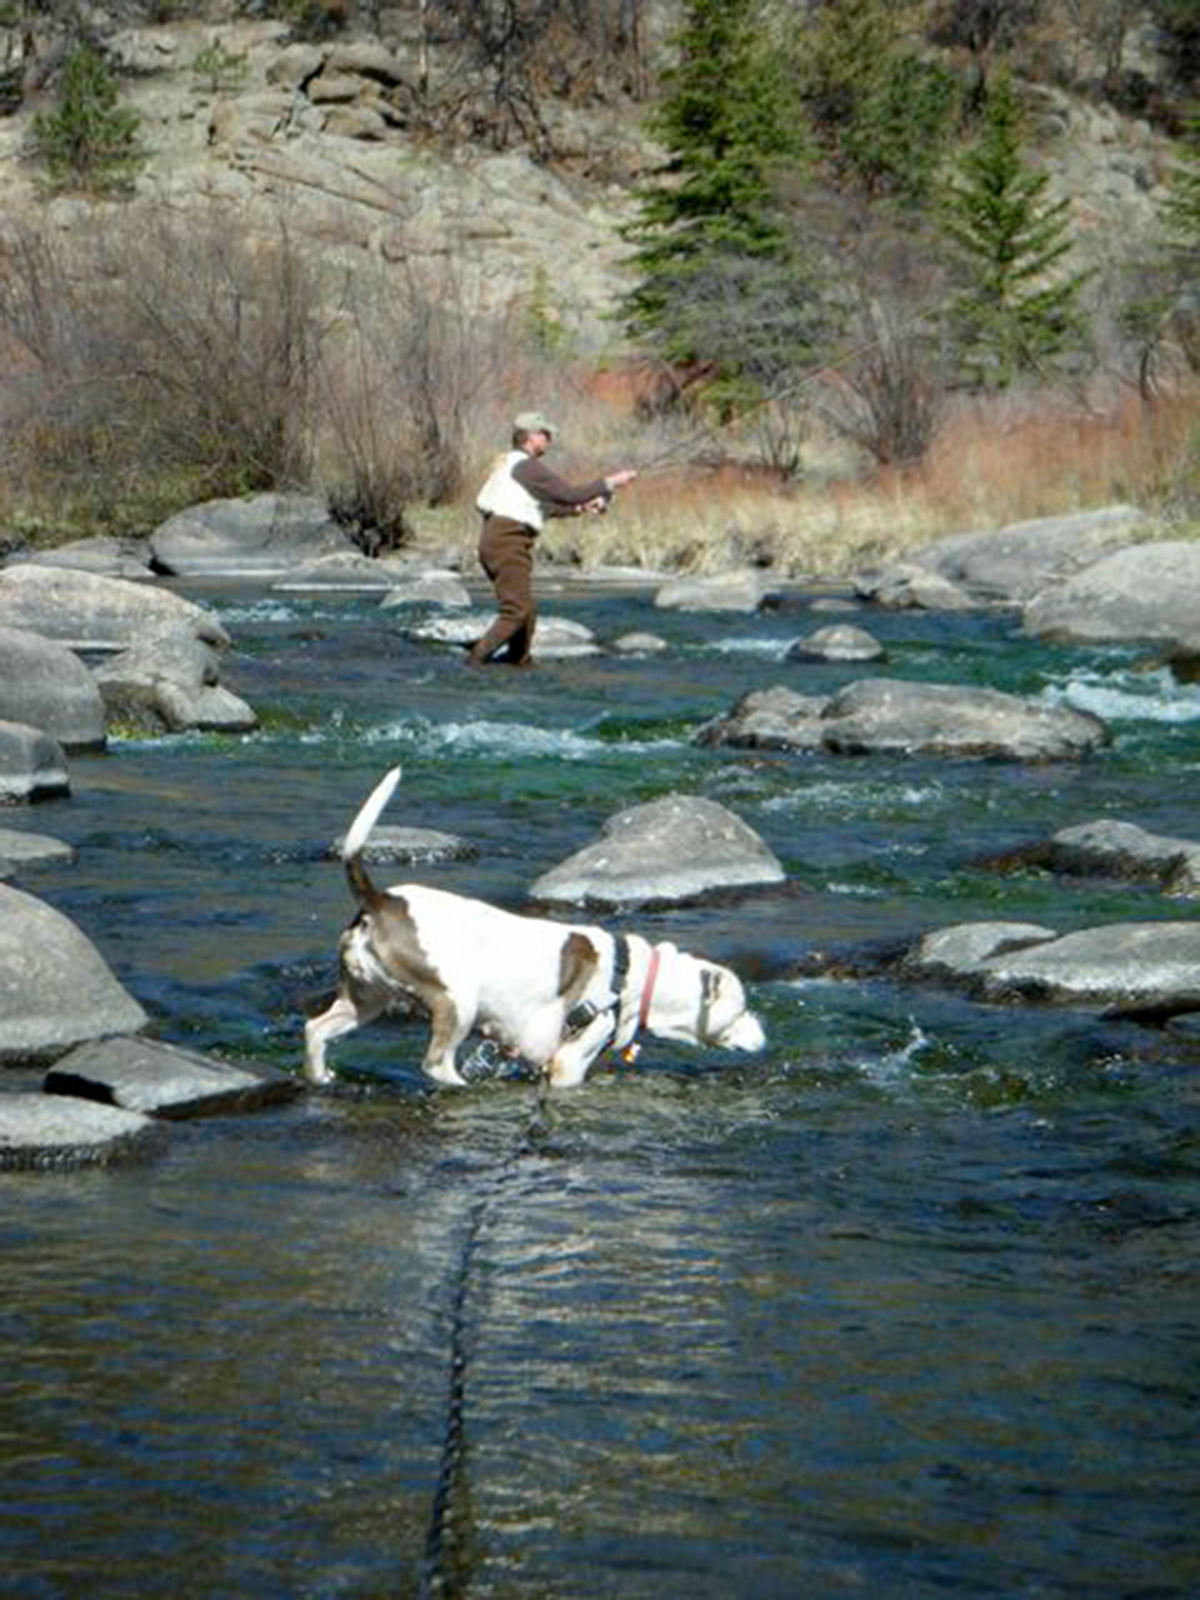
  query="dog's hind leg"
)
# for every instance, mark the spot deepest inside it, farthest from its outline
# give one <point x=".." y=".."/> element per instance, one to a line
<point x="450" y="1028"/>
<point x="342" y="1017"/>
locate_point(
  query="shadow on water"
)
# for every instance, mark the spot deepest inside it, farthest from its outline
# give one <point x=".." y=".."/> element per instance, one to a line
<point x="907" y="1305"/>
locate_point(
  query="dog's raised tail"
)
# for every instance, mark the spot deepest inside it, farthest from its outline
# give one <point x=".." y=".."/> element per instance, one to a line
<point x="360" y="831"/>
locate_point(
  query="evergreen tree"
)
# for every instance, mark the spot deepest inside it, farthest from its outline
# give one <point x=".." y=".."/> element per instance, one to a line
<point x="710" y="232"/>
<point x="1181" y="210"/>
<point x="1017" y="312"/>
<point x="90" y="140"/>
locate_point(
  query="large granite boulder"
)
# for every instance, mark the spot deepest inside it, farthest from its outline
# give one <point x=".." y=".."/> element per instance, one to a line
<point x="668" y="850"/>
<point x="41" y="1130"/>
<point x="32" y="765"/>
<point x="56" y="989"/>
<point x="908" y="586"/>
<point x="887" y="716"/>
<point x="264" y="535"/>
<point x="45" y="685"/>
<point x="1011" y="565"/>
<point x="162" y="1080"/>
<point x="169" y="684"/>
<point x="1150" y="591"/>
<point x="88" y="611"/>
<point x="1147" y="967"/>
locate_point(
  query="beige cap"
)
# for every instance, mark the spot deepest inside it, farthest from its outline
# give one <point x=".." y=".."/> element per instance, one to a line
<point x="533" y="422"/>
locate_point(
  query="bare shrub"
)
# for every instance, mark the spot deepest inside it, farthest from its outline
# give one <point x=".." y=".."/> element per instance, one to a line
<point x="157" y="362"/>
<point x="888" y="398"/>
<point x="404" y="376"/>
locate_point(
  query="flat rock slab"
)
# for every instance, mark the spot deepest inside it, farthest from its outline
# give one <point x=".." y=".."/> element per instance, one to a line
<point x="669" y="850"/>
<point x="114" y="558"/>
<point x="438" y="588"/>
<point x="46" y="1131"/>
<point x="162" y="1080"/>
<point x="1148" y="967"/>
<point x="56" y="990"/>
<point x="349" y="570"/>
<point x="403" y="846"/>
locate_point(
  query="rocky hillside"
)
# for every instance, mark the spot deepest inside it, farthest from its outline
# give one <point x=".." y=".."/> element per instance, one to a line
<point x="321" y="134"/>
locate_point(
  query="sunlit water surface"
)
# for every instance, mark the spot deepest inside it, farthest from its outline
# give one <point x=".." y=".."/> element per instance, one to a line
<point x="906" y="1306"/>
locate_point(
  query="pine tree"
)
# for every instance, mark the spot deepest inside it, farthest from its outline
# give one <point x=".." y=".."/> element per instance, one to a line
<point x="90" y="140"/>
<point x="709" y="229"/>
<point x="1180" y="213"/>
<point x="1018" y="312"/>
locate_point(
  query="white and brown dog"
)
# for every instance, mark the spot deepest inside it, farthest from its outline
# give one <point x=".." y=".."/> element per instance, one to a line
<point x="552" y="993"/>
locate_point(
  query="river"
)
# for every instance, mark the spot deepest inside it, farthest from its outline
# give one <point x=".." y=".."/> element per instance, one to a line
<point x="907" y="1306"/>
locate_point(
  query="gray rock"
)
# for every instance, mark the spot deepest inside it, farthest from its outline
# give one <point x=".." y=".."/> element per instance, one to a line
<point x="434" y="588"/>
<point x="45" y="685"/>
<point x="881" y="715"/>
<point x="1150" y="591"/>
<point x="41" y="1130"/>
<point x="1149" y="967"/>
<point x="671" y="849"/>
<point x="88" y="611"/>
<point x="56" y="989"/>
<point x="640" y="644"/>
<point x="906" y="586"/>
<point x="169" y="684"/>
<point x="556" y="638"/>
<point x="349" y="570"/>
<point x="1011" y="565"/>
<point x="406" y="845"/>
<point x="768" y="719"/>
<point x="32" y="765"/>
<point x="22" y="849"/>
<point x="264" y="535"/>
<point x="112" y="558"/>
<point x="1108" y="848"/>
<point x="840" y="642"/>
<point x="162" y="1080"/>
<point x="741" y="591"/>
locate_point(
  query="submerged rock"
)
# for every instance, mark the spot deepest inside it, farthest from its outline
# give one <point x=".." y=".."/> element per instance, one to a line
<point x="402" y="846"/>
<point x="433" y="588"/>
<point x="556" y="638"/>
<point x="672" y="849"/>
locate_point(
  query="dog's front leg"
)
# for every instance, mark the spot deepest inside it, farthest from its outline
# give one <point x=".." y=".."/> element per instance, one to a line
<point x="568" y="1067"/>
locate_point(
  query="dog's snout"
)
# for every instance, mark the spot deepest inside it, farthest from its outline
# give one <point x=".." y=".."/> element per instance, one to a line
<point x="747" y="1033"/>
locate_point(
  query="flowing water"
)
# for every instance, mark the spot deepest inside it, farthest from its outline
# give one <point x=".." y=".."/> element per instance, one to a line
<point x="906" y="1306"/>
